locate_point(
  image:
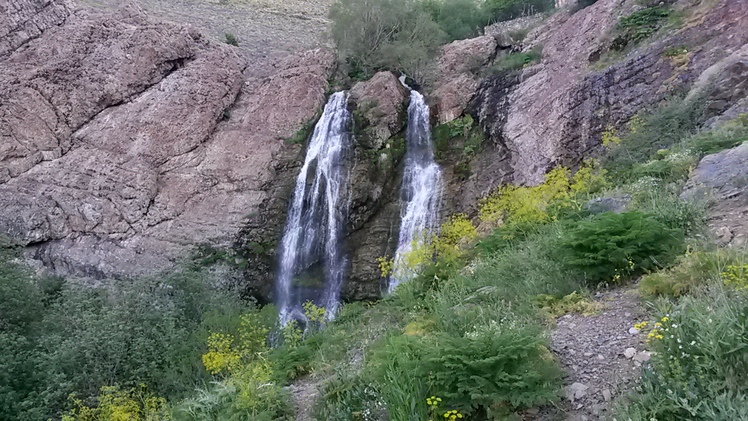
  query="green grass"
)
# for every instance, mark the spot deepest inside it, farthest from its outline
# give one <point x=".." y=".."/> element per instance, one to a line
<point x="700" y="368"/>
<point x="516" y="61"/>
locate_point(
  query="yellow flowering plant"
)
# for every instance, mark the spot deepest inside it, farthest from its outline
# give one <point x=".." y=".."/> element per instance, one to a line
<point x="433" y="403"/>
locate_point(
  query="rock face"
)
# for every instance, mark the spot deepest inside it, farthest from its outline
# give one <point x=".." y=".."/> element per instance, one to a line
<point x="457" y="80"/>
<point x="722" y="178"/>
<point x="380" y="111"/>
<point x="127" y="141"/>
<point x="554" y="113"/>
<point x="28" y="19"/>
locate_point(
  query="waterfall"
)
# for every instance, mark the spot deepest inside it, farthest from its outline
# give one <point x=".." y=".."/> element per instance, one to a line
<point x="420" y="190"/>
<point x="316" y="217"/>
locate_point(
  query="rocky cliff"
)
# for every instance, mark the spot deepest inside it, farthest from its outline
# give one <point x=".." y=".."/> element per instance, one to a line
<point x="554" y="112"/>
<point x="127" y="141"/>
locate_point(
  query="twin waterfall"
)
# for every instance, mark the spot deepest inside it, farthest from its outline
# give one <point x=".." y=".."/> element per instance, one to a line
<point x="311" y="248"/>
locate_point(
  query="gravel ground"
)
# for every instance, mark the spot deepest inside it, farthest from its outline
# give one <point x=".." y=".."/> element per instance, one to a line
<point x="266" y="29"/>
<point x="602" y="354"/>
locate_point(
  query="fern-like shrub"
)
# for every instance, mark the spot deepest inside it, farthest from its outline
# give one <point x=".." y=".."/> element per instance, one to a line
<point x="493" y="369"/>
<point x="611" y="247"/>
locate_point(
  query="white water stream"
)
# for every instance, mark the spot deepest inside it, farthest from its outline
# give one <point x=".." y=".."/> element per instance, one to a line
<point x="316" y="217"/>
<point x="420" y="191"/>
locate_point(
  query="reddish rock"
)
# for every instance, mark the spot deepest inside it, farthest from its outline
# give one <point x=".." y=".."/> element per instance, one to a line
<point x="457" y="80"/>
<point x="124" y="144"/>
<point x="382" y="102"/>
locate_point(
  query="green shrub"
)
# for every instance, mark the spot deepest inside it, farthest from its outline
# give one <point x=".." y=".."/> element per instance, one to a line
<point x="501" y="10"/>
<point x="346" y="396"/>
<point x="700" y="368"/>
<point x="611" y="247"/>
<point x="222" y="401"/>
<point x="639" y="26"/>
<point x="690" y="272"/>
<point x="61" y="338"/>
<point x="554" y="306"/>
<point x="666" y="206"/>
<point x="385" y="34"/>
<point x="506" y="236"/>
<point x="725" y="136"/>
<point x="491" y="368"/>
<point x="515" y="61"/>
<point x="670" y="166"/>
<point x="649" y="132"/>
<point x="459" y="19"/>
<point x="396" y="370"/>
<point x="231" y="39"/>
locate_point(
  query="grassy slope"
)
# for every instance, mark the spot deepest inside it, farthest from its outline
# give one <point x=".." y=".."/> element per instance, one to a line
<point x="507" y="286"/>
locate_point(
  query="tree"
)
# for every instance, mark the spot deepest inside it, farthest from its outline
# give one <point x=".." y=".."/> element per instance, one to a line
<point x="374" y="35"/>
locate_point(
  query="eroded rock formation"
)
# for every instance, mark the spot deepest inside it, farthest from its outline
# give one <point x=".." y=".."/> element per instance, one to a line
<point x="126" y="141"/>
<point x="554" y="113"/>
<point x="380" y="112"/>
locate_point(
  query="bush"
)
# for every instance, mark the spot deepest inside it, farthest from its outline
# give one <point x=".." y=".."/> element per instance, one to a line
<point x="515" y="61"/>
<point x="725" y="136"/>
<point x="397" y="374"/>
<point x="459" y="19"/>
<point x="60" y="338"/>
<point x="666" y="206"/>
<point x="231" y="39"/>
<point x="542" y="203"/>
<point x="699" y="370"/>
<point x="691" y="271"/>
<point x="493" y="368"/>
<point x="649" y="132"/>
<point x="501" y="10"/>
<point x="611" y="247"/>
<point x="639" y="26"/>
<point x="345" y="396"/>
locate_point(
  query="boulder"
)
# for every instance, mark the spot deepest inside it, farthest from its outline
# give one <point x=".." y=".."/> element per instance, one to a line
<point x="458" y="68"/>
<point x="380" y="106"/>
<point x="722" y="179"/>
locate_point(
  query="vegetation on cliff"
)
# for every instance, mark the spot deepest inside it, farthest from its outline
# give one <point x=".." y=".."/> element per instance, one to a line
<point x="374" y="35"/>
<point x="466" y="338"/>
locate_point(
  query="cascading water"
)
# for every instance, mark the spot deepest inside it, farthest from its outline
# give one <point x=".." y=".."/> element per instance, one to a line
<point x="316" y="218"/>
<point x="420" y="191"/>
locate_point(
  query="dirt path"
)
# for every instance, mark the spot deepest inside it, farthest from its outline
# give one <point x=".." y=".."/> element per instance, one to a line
<point x="304" y="392"/>
<point x="601" y="354"/>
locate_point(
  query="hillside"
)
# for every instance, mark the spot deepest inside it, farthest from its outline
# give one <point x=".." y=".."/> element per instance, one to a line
<point x="265" y="29"/>
<point x="373" y="210"/>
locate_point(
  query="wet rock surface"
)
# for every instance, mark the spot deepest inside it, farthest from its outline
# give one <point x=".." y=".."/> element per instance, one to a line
<point x="380" y="118"/>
